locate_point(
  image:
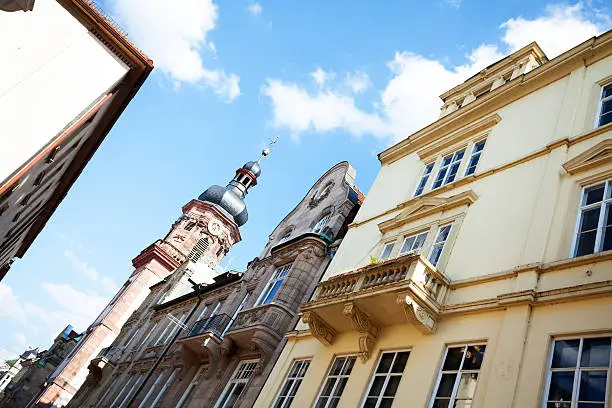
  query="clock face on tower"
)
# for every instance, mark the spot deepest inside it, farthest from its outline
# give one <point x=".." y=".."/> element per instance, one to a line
<point x="214" y="227"/>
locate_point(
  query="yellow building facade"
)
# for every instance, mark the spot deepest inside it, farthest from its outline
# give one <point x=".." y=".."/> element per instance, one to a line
<point x="478" y="272"/>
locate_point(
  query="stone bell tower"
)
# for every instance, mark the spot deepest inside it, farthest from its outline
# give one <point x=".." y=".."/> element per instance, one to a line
<point x="205" y="232"/>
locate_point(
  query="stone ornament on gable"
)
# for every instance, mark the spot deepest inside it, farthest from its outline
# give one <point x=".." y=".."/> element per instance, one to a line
<point x="317" y="197"/>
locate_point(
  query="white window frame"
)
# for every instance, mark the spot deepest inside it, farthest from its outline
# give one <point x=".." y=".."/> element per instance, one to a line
<point x="473" y="154"/>
<point x="602" y="215"/>
<point x="132" y="390"/>
<point x="145" y="340"/>
<point x="300" y="374"/>
<point x="158" y="379"/>
<point x="412" y="247"/>
<point x="233" y="381"/>
<point x="386" y="375"/>
<point x="192" y="385"/>
<point x="384" y="248"/>
<point x="446" y="168"/>
<point x="336" y="378"/>
<point x="164" y="387"/>
<point x="601" y="102"/>
<point x="577" y="371"/>
<point x="424" y="179"/>
<point x="459" y="372"/>
<point x="441" y="243"/>
<point x="322" y="223"/>
<point x="276" y="277"/>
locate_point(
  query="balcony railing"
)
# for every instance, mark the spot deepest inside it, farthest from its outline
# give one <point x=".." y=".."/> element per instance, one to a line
<point x="408" y="268"/>
<point x="214" y="324"/>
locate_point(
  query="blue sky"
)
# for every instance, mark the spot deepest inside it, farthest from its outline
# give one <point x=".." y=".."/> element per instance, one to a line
<point x="337" y="82"/>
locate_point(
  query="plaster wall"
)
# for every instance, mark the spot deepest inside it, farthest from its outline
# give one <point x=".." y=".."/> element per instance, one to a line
<point x="55" y="69"/>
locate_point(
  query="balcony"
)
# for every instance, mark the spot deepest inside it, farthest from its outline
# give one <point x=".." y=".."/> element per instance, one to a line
<point x="261" y="328"/>
<point x="403" y="289"/>
<point x="203" y="341"/>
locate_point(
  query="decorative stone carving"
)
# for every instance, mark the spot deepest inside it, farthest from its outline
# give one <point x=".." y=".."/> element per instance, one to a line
<point x="319" y="328"/>
<point x="367" y="327"/>
<point x="423" y="320"/>
<point x="317" y="197"/>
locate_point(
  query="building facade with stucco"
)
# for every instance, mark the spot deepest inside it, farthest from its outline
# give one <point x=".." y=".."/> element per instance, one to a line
<point x="478" y="272"/>
<point x="205" y="343"/>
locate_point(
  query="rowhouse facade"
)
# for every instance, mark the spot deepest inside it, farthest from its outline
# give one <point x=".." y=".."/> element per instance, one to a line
<point x="478" y="271"/>
<point x="214" y="343"/>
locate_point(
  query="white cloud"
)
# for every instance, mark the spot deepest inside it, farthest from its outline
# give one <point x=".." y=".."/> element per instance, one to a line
<point x="357" y="82"/>
<point x="410" y="99"/>
<point x="109" y="284"/>
<point x="255" y="9"/>
<point x="19" y="340"/>
<point x="561" y="28"/>
<point x="320" y="76"/>
<point x="11" y="308"/>
<point x="175" y="37"/>
<point x="453" y="3"/>
<point x="89" y="271"/>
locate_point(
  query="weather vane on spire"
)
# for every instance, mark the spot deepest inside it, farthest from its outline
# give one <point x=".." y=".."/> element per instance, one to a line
<point x="266" y="151"/>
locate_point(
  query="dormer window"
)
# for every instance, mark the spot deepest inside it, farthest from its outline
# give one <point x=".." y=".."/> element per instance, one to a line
<point x="605" y="106"/>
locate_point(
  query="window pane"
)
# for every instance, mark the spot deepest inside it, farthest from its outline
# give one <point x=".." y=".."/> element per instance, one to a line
<point x="440" y="177"/>
<point x="348" y="366"/>
<point x="473" y="357"/>
<point x="447" y="382"/>
<point x="392" y="385"/>
<point x="606" y="118"/>
<point x="321" y="402"/>
<point x="593" y="386"/>
<point x="376" y="386"/>
<point x="435" y="254"/>
<point x="370" y="403"/>
<point x="329" y="386"/>
<point x="386" y="251"/>
<point x="561" y="385"/>
<point x="589" y="405"/>
<point x="386" y="403"/>
<point x="443" y="233"/>
<point x="385" y="363"/>
<point x="400" y="362"/>
<point x="441" y="403"/>
<point x="586" y="243"/>
<point x="479" y="146"/>
<point x="594" y="194"/>
<point x="589" y="219"/>
<point x="595" y="352"/>
<point x="565" y="354"/>
<point x="408" y="242"/>
<point x="453" y="358"/>
<point x="446" y="161"/>
<point x="606" y="107"/>
<point x="340" y="386"/>
<point x="607" y="91"/>
<point x="558" y="405"/>
<point x="467" y="386"/>
<point x="337" y="366"/>
<point x="452" y="172"/>
<point x="420" y="240"/>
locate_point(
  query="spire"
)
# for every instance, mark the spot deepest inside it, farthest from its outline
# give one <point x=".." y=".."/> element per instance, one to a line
<point x="230" y="198"/>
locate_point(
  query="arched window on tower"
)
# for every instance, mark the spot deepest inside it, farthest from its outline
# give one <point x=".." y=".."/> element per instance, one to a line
<point x="198" y="250"/>
<point x="318" y="228"/>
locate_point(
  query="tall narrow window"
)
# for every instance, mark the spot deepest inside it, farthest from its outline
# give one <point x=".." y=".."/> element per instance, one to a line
<point x="423" y="180"/>
<point x="192" y="385"/>
<point x="144" y="341"/>
<point x="413" y="243"/>
<point x="198" y="250"/>
<point x="132" y="390"/>
<point x="176" y="325"/>
<point x="234" y="388"/>
<point x="52" y="154"/>
<point x="386" y="251"/>
<point x="152" y="389"/>
<point x="334" y="384"/>
<point x="189" y="226"/>
<point x="244" y="300"/>
<point x="438" y="245"/>
<point x="318" y="228"/>
<point x="291" y="384"/>
<point x="135" y="331"/>
<point x="475" y="157"/>
<point x="273" y="285"/>
<point x="448" y="168"/>
<point x="578" y="373"/>
<point x="386" y="379"/>
<point x="456" y="384"/>
<point x="605" y="106"/>
<point x="163" y="389"/>
<point x="594" y="220"/>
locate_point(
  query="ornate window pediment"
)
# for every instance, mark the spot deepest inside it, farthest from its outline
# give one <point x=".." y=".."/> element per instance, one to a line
<point x="597" y="155"/>
<point x="427" y="206"/>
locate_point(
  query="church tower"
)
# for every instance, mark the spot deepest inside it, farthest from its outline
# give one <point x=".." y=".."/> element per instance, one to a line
<point x="205" y="232"/>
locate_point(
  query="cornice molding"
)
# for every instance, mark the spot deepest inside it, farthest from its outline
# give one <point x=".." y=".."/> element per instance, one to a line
<point x="427" y="206"/>
<point x="596" y="156"/>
